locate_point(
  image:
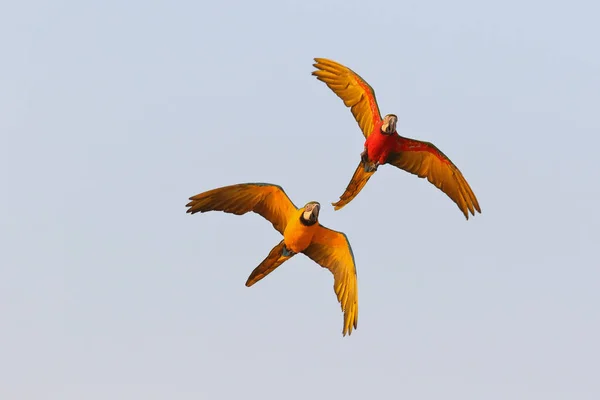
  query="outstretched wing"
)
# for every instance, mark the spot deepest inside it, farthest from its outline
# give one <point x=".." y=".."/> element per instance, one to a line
<point x="331" y="250"/>
<point x="358" y="181"/>
<point x="353" y="90"/>
<point x="265" y="199"/>
<point x="427" y="161"/>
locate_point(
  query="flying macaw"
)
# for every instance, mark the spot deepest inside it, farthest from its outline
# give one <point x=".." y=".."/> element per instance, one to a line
<point x="302" y="233"/>
<point x="383" y="145"/>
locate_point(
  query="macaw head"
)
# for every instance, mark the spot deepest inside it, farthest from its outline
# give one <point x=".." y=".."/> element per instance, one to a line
<point x="310" y="214"/>
<point x="389" y="124"/>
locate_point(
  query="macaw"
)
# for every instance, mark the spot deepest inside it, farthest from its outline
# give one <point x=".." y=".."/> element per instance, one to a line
<point x="302" y="233"/>
<point x="384" y="145"/>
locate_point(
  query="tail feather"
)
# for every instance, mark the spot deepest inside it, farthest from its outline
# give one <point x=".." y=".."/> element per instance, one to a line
<point x="275" y="258"/>
<point x="358" y="181"/>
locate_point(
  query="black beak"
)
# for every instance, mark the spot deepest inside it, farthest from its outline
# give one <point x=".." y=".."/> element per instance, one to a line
<point x="315" y="212"/>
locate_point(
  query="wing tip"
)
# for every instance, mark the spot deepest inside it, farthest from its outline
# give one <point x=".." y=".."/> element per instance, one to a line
<point x="321" y="60"/>
<point x="194" y="206"/>
<point x="190" y="207"/>
<point x="347" y="330"/>
<point x="475" y="207"/>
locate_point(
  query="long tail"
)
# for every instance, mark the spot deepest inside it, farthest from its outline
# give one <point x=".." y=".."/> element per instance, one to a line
<point x="275" y="258"/>
<point x="358" y="181"/>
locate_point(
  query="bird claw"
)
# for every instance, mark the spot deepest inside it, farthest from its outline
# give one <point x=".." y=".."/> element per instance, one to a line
<point x="371" y="166"/>
<point x="368" y="164"/>
<point x="364" y="157"/>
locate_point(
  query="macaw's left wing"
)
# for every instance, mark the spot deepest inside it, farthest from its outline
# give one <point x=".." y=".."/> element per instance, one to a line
<point x="353" y="90"/>
<point x="358" y="181"/>
<point x="331" y="249"/>
<point x="265" y="199"/>
<point x="427" y="161"/>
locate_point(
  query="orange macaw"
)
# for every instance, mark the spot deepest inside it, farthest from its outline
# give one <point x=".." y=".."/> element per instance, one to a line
<point x="384" y="145"/>
<point x="302" y="233"/>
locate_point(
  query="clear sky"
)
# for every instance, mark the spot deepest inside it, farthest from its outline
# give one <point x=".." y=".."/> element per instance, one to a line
<point x="113" y="113"/>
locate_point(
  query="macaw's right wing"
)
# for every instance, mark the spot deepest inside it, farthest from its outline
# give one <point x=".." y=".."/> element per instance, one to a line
<point x="331" y="249"/>
<point x="353" y="90"/>
<point x="265" y="199"/>
<point x="358" y="181"/>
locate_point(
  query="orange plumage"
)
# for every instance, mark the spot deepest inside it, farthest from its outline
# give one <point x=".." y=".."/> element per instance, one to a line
<point x="302" y="233"/>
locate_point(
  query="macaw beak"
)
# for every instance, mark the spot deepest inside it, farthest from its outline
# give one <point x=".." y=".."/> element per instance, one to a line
<point x="389" y="126"/>
<point x="392" y="125"/>
<point x="315" y="211"/>
<point x="311" y="212"/>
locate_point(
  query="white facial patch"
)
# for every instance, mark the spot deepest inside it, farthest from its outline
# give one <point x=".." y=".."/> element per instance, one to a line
<point x="307" y="215"/>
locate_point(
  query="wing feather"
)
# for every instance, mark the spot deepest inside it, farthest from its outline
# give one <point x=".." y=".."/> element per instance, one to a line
<point x="331" y="249"/>
<point x="427" y="161"/>
<point x="265" y="199"/>
<point x="354" y="91"/>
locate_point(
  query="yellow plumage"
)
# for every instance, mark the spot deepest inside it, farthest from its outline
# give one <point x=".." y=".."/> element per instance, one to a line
<point x="353" y="90"/>
<point x="328" y="248"/>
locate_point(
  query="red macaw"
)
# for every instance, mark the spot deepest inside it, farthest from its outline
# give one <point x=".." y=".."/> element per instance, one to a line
<point x="384" y="145"/>
<point x="302" y="233"/>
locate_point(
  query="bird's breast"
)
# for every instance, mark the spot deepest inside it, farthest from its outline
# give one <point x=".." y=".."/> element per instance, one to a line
<point x="379" y="147"/>
<point x="297" y="236"/>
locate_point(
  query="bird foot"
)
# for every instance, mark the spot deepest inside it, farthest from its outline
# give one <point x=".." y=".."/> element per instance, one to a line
<point x="368" y="164"/>
<point x="364" y="157"/>
<point x="286" y="252"/>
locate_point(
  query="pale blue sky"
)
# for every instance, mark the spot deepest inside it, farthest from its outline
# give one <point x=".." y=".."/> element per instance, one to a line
<point x="113" y="113"/>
